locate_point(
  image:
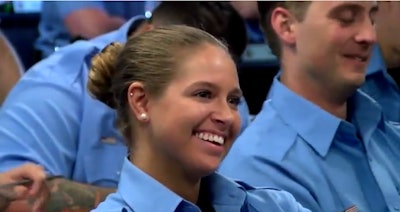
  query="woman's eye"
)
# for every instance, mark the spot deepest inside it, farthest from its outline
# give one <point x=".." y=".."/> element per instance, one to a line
<point x="346" y="20"/>
<point x="234" y="100"/>
<point x="204" y="94"/>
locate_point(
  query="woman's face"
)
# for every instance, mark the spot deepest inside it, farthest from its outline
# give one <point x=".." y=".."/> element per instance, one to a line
<point x="194" y="123"/>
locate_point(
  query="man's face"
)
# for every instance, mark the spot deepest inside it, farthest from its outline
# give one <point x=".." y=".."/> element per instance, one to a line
<point x="333" y="42"/>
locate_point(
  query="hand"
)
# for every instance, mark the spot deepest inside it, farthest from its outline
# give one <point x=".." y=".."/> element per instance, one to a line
<point x="37" y="190"/>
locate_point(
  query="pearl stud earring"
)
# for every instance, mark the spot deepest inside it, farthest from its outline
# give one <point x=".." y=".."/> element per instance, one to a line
<point x="143" y="116"/>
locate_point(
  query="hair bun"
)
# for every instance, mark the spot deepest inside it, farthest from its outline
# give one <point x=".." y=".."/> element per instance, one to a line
<point x="101" y="73"/>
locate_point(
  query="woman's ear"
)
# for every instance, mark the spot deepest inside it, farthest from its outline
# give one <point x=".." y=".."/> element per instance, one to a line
<point x="283" y="23"/>
<point x="138" y="101"/>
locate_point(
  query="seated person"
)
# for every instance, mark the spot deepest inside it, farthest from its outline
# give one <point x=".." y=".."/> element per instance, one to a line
<point x="49" y="118"/>
<point x="318" y="136"/>
<point x="36" y="189"/>
<point x="177" y="109"/>
<point x="63" y="21"/>
<point x="383" y="79"/>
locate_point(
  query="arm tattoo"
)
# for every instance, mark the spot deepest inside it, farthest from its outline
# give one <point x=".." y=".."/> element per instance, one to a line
<point x="6" y="195"/>
<point x="4" y="202"/>
<point x="70" y="196"/>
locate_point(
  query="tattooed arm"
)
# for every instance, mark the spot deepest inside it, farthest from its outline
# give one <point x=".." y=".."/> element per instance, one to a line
<point x="3" y="203"/>
<point x="37" y="188"/>
<point x="67" y="196"/>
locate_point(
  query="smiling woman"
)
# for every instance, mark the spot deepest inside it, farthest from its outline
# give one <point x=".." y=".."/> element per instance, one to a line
<point x="177" y="108"/>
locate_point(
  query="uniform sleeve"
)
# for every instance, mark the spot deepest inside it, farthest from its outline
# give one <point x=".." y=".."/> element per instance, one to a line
<point x="261" y="172"/>
<point x="274" y="200"/>
<point x="39" y="123"/>
<point x="64" y="8"/>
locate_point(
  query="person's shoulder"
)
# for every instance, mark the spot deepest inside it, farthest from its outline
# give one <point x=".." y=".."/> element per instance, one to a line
<point x="266" y="136"/>
<point x="260" y="198"/>
<point x="269" y="122"/>
<point x="65" y="65"/>
<point x="113" y="203"/>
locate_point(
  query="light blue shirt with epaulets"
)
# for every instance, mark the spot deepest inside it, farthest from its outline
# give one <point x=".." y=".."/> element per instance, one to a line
<point x="328" y="164"/>
<point x="53" y="33"/>
<point x="381" y="86"/>
<point x="49" y="118"/>
<point x="139" y="192"/>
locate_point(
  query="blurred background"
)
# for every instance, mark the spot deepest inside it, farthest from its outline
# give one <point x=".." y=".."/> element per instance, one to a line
<point x="20" y="23"/>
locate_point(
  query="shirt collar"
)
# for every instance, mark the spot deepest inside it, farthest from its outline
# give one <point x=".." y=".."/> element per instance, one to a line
<point x="141" y="192"/>
<point x="316" y="126"/>
<point x="365" y="113"/>
<point x="376" y="63"/>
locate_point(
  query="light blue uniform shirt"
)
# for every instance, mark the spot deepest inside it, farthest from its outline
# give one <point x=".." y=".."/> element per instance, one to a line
<point x="139" y="192"/>
<point x="49" y="118"/>
<point x="54" y="34"/>
<point x="381" y="86"/>
<point x="296" y="146"/>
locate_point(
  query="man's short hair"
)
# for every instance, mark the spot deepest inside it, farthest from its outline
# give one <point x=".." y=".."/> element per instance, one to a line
<point x="265" y="8"/>
<point x="217" y="18"/>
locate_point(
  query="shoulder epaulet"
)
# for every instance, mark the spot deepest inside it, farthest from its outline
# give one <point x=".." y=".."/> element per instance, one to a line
<point x="249" y="187"/>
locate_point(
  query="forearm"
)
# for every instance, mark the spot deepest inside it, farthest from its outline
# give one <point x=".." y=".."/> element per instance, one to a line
<point x="67" y="196"/>
<point x="89" y="23"/>
<point x="91" y="30"/>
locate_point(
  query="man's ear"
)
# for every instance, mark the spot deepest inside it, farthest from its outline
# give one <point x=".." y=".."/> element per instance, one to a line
<point x="138" y="101"/>
<point x="283" y="23"/>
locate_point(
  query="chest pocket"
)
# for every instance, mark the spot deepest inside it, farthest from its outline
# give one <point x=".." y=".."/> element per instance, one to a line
<point x="104" y="162"/>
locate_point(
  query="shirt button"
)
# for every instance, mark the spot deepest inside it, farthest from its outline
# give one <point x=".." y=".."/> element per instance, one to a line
<point x="118" y="173"/>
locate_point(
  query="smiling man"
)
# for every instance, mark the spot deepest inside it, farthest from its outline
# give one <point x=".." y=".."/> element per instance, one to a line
<point x="317" y="136"/>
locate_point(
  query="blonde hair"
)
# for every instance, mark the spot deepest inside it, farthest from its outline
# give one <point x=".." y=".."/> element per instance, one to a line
<point x="150" y="58"/>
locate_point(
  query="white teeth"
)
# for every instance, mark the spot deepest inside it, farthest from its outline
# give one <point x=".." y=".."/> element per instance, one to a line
<point x="211" y="137"/>
<point x="359" y="59"/>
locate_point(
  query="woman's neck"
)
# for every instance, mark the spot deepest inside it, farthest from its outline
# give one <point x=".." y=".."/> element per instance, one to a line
<point x="169" y="173"/>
